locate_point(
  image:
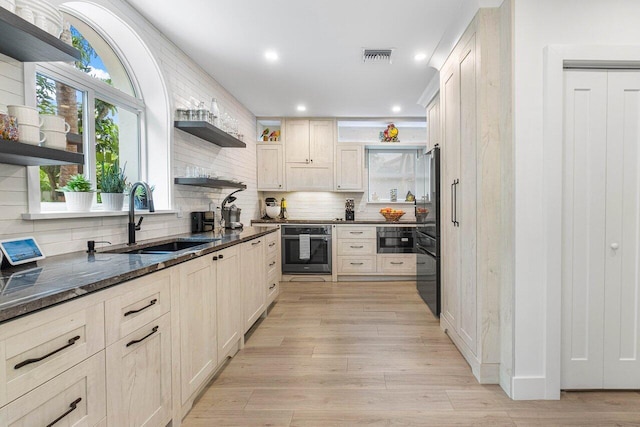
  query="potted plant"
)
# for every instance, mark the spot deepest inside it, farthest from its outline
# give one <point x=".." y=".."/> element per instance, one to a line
<point x="113" y="183"/>
<point x="78" y="194"/>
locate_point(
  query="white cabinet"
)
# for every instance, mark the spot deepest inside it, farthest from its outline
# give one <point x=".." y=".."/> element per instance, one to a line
<point x="41" y="346"/>
<point x="433" y="123"/>
<point x="229" y="301"/>
<point x="349" y="168"/>
<point x="139" y="376"/>
<point x="297" y="142"/>
<point x="470" y="112"/>
<point x="253" y="281"/>
<point x="273" y="266"/>
<point x="270" y="161"/>
<point x="321" y="141"/>
<point x="197" y="320"/>
<point x="74" y="398"/>
<point x="309" y="155"/>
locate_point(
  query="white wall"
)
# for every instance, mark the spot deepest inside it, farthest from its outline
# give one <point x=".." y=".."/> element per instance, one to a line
<point x="184" y="79"/>
<point x="540" y="23"/>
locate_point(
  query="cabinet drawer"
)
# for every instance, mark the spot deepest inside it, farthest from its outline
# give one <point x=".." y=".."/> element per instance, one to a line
<point x="357" y="247"/>
<point x="272" y="244"/>
<point x="349" y="232"/>
<point x="273" y="289"/>
<point x="74" y="398"/>
<point x="38" y="354"/>
<point x="364" y="264"/>
<point x="397" y="264"/>
<point x="150" y="299"/>
<point x="272" y="266"/>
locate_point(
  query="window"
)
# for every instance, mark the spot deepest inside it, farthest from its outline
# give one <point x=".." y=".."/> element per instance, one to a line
<point x="391" y="170"/>
<point x="97" y="99"/>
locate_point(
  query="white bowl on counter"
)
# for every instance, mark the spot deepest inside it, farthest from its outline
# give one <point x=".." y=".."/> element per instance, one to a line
<point x="273" y="212"/>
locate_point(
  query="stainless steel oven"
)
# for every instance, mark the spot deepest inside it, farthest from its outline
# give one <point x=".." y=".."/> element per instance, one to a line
<point x="396" y="240"/>
<point x="306" y="249"/>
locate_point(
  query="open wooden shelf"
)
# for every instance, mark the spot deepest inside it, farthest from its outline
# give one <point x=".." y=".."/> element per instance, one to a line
<point x="18" y="153"/>
<point x="209" y="132"/>
<point x="25" y="42"/>
<point x="208" y="182"/>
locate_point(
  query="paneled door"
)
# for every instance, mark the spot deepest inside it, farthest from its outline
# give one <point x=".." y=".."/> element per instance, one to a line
<point x="601" y="222"/>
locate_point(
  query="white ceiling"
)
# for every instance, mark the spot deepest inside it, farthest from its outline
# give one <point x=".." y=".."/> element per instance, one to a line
<point x="319" y="43"/>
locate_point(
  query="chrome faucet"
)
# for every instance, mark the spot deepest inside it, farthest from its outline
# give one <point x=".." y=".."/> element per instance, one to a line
<point x="133" y="227"/>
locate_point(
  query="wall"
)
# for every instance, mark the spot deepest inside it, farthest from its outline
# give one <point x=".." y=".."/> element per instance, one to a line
<point x="184" y="79"/>
<point x="326" y="205"/>
<point x="540" y="23"/>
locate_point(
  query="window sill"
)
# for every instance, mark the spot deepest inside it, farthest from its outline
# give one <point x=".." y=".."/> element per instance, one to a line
<point x="93" y="214"/>
<point x="382" y="202"/>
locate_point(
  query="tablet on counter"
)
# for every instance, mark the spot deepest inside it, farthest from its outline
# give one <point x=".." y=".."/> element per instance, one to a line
<point x="21" y="250"/>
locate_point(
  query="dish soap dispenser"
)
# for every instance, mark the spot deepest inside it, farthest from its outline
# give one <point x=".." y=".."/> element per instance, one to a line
<point x="283" y="209"/>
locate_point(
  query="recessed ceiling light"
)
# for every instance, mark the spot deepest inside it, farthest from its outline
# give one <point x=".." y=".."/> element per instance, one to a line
<point x="420" y="56"/>
<point x="271" y="55"/>
<point x="301" y="108"/>
<point x="396" y="109"/>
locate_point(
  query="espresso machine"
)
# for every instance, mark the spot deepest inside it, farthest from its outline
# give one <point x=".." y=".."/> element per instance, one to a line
<point x="349" y="210"/>
<point x="231" y="214"/>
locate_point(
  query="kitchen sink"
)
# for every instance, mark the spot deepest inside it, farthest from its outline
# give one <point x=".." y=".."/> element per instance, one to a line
<point x="164" y="248"/>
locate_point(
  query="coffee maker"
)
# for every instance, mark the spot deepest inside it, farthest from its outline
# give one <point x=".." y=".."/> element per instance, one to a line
<point x="349" y="210"/>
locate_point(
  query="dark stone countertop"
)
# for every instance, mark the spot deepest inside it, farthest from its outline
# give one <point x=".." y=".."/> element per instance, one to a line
<point x="331" y="221"/>
<point x="64" y="277"/>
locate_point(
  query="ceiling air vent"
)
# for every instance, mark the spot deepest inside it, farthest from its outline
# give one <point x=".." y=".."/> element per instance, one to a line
<point x="377" y="55"/>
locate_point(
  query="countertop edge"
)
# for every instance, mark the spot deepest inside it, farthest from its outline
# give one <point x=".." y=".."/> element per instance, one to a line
<point x="65" y="295"/>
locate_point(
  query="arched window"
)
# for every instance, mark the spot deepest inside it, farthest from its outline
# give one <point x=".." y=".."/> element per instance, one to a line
<point x="99" y="101"/>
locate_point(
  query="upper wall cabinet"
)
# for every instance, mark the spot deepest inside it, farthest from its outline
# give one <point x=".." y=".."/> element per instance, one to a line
<point x="270" y="160"/>
<point x="349" y="168"/>
<point x="433" y="123"/>
<point x="309" y="154"/>
<point x="309" y="141"/>
<point x="25" y="42"/>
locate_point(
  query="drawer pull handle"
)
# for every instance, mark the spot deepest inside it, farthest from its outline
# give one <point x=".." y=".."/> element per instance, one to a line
<point x="272" y="264"/>
<point x="272" y="286"/>
<point x="71" y="342"/>
<point x="397" y="263"/>
<point x="255" y="243"/>
<point x="357" y="247"/>
<point x="153" y="331"/>
<point x="72" y="407"/>
<point x="152" y="302"/>
<point x="356" y="232"/>
<point x="272" y="244"/>
<point x="356" y="263"/>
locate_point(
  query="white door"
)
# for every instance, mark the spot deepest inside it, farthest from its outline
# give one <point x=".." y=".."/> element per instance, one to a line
<point x="270" y="167"/>
<point x="622" y="290"/>
<point x="601" y="222"/>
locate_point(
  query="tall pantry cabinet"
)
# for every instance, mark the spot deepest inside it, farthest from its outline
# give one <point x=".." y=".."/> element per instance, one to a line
<point x="470" y="113"/>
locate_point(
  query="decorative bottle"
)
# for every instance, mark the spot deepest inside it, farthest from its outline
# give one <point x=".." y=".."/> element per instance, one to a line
<point x="283" y="209"/>
<point x="215" y="111"/>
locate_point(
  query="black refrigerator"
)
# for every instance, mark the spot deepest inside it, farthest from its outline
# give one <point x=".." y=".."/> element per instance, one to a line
<point x="428" y="229"/>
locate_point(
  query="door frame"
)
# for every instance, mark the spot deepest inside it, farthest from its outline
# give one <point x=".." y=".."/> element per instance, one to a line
<point x="556" y="57"/>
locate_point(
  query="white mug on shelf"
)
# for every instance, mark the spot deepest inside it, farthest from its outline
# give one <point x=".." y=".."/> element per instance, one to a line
<point x="57" y="140"/>
<point x="25" y="13"/>
<point x="30" y="134"/>
<point x="10" y="5"/>
<point x="26" y="115"/>
<point x="54" y="123"/>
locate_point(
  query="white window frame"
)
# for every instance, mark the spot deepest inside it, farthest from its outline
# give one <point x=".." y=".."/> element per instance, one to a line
<point x="94" y="88"/>
<point x="400" y="150"/>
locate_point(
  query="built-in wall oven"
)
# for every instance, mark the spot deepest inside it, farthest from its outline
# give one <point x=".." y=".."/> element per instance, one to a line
<point x="306" y="249"/>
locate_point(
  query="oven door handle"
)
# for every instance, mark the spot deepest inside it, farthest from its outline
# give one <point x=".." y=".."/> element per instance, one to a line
<point x="317" y="236"/>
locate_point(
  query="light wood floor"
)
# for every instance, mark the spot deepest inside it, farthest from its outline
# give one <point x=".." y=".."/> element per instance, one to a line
<point x="371" y="354"/>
